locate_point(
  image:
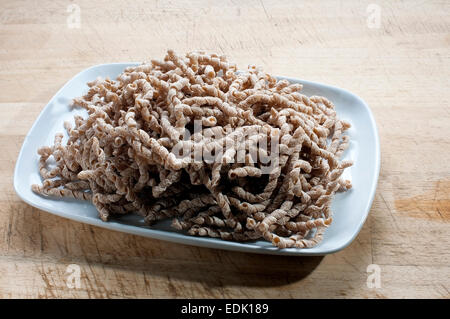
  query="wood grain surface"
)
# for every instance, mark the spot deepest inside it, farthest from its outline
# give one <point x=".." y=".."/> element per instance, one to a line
<point x="398" y="63"/>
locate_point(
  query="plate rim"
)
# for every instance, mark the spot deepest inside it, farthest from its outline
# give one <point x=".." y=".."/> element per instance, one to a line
<point x="200" y="241"/>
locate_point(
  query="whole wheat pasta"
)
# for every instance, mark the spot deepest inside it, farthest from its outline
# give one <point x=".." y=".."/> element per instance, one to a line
<point x="225" y="154"/>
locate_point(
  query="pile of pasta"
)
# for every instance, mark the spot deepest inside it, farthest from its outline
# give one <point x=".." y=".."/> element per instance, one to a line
<point x="124" y="155"/>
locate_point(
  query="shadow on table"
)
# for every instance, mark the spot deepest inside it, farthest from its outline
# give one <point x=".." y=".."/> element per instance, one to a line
<point x="224" y="269"/>
<point x="237" y="270"/>
<point x="88" y="246"/>
<point x="214" y="267"/>
<point x="217" y="268"/>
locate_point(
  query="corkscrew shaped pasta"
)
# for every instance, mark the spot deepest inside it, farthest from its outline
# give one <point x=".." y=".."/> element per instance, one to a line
<point x="124" y="156"/>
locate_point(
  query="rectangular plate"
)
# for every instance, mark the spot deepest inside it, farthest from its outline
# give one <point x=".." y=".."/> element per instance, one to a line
<point x="350" y="208"/>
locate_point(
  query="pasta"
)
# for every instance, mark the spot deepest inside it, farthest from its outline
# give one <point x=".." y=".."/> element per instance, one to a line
<point x="226" y="154"/>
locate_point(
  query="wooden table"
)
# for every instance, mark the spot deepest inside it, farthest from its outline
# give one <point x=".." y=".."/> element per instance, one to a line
<point x="398" y="63"/>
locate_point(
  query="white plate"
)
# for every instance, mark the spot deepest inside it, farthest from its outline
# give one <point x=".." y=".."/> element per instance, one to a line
<point x="350" y="208"/>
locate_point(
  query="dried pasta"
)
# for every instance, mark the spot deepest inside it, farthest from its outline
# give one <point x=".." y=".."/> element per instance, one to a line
<point x="226" y="154"/>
